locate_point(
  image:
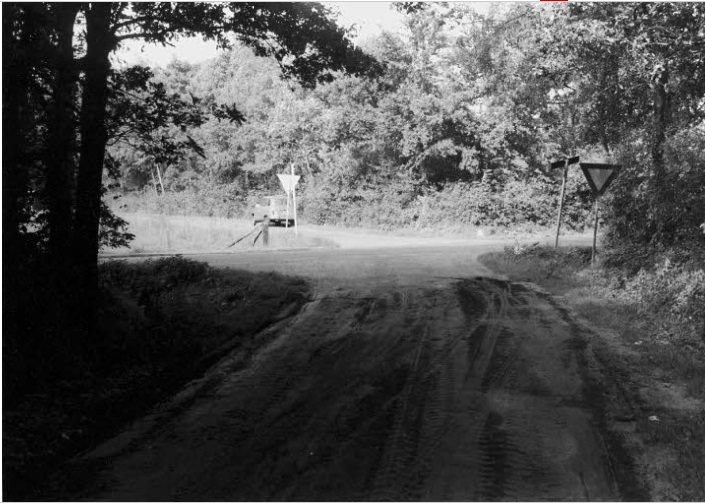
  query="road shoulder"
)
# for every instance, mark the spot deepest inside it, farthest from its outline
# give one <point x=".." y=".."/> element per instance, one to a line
<point x="654" y="422"/>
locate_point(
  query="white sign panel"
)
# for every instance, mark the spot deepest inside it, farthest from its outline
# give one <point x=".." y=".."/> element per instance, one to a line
<point x="288" y="181"/>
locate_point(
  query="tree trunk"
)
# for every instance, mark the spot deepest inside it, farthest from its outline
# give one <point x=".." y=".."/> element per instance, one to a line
<point x="14" y="102"/>
<point x="16" y="67"/>
<point x="99" y="43"/>
<point x="659" y="123"/>
<point x="154" y="182"/>
<point x="161" y="183"/>
<point x="660" y="186"/>
<point x="60" y="160"/>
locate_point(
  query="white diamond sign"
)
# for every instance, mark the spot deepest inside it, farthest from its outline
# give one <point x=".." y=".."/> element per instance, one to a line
<point x="288" y="181"/>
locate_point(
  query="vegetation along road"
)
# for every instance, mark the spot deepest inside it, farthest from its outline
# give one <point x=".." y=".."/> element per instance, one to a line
<point x="390" y="367"/>
<point x="412" y="373"/>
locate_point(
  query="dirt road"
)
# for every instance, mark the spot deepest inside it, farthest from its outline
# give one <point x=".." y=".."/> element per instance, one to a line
<point x="410" y="375"/>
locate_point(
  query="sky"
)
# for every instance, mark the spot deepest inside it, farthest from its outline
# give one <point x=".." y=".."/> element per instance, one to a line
<point x="369" y="17"/>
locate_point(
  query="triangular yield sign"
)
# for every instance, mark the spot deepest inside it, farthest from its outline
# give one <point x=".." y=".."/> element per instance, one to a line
<point x="599" y="176"/>
<point x="288" y="181"/>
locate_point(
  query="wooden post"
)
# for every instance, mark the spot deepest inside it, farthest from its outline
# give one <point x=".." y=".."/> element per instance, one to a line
<point x="265" y="231"/>
<point x="594" y="236"/>
<point x="560" y="206"/>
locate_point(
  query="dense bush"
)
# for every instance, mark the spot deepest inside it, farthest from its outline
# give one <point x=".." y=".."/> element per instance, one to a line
<point x="674" y="298"/>
<point x="153" y="274"/>
<point x="226" y="200"/>
<point x="402" y="203"/>
<point x="670" y="213"/>
<point x="386" y="204"/>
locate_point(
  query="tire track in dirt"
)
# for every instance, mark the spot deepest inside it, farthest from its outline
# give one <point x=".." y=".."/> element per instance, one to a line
<point x="419" y="431"/>
<point x="516" y="428"/>
<point x="472" y="390"/>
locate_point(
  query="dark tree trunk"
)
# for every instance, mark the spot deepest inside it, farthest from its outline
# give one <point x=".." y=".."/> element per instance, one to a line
<point x="659" y="123"/>
<point x="661" y="189"/>
<point x="21" y="29"/>
<point x="60" y="159"/>
<point x="99" y="43"/>
<point x="14" y="101"/>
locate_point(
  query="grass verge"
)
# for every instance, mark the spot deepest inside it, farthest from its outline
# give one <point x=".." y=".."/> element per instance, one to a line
<point x="156" y="233"/>
<point x="649" y="332"/>
<point x="162" y="323"/>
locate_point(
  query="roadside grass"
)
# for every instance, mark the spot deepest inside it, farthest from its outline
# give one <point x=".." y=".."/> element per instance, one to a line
<point x="650" y="318"/>
<point x="162" y="323"/>
<point x="155" y="233"/>
<point x="676" y="442"/>
<point x="553" y="269"/>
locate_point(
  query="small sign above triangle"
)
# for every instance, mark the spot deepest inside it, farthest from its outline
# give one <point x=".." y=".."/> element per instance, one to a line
<point x="599" y="176"/>
<point x="561" y="162"/>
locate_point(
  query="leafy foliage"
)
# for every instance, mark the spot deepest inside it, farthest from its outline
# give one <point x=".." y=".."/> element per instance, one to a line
<point x="675" y="298"/>
<point x="634" y="217"/>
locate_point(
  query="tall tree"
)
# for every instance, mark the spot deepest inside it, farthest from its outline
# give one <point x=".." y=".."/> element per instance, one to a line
<point x="303" y="38"/>
<point x="636" y="71"/>
<point x="60" y="150"/>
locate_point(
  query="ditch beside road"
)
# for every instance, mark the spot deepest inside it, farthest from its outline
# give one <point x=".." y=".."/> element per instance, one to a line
<point x="413" y="373"/>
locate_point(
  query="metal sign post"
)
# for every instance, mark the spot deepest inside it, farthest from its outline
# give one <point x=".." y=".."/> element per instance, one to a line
<point x="293" y="191"/>
<point x="288" y="200"/>
<point x="557" y="164"/>
<point x="594" y="234"/>
<point x="599" y="176"/>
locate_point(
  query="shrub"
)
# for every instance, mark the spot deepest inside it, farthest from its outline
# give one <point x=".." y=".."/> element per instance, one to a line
<point x="672" y="296"/>
<point x="156" y="273"/>
<point x="401" y="202"/>
<point x="210" y="200"/>
<point x="644" y="214"/>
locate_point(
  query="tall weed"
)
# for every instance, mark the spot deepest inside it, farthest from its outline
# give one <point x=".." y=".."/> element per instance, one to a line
<point x="673" y="298"/>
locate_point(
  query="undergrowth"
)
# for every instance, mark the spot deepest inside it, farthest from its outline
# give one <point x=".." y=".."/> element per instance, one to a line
<point x="161" y="323"/>
<point x="554" y="269"/>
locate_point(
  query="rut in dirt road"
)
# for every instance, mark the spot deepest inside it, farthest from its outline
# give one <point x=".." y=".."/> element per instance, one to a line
<point x="504" y="409"/>
<point x="467" y="391"/>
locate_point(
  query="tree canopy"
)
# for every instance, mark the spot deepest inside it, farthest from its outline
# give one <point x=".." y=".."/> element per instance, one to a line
<point x="64" y="103"/>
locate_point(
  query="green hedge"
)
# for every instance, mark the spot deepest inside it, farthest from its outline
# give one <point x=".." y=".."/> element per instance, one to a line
<point x="403" y="203"/>
<point x="394" y="202"/>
